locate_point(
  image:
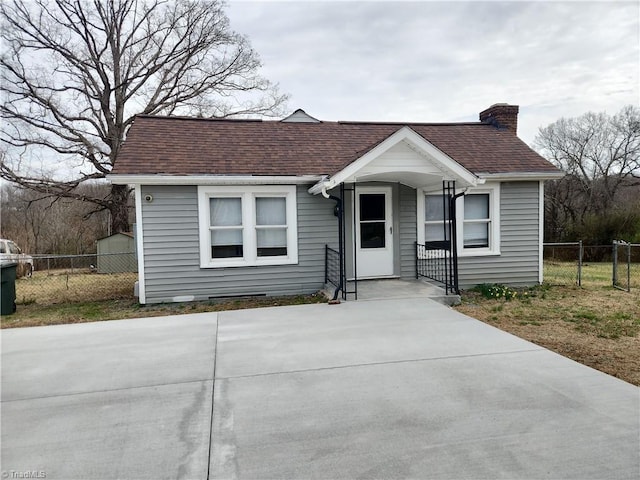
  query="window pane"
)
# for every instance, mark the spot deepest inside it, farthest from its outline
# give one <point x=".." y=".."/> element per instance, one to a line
<point x="272" y="237"/>
<point x="372" y="235"/>
<point x="476" y="235"/>
<point x="226" y="251"/>
<point x="225" y="211"/>
<point x="476" y="207"/>
<point x="434" y="209"/>
<point x="271" y="211"/>
<point x="435" y="232"/>
<point x="226" y="236"/>
<point x="272" y="251"/>
<point x="226" y="243"/>
<point x="272" y="242"/>
<point x="372" y="206"/>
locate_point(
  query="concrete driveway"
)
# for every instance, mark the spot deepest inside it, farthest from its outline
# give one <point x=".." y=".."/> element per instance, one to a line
<point x="403" y="388"/>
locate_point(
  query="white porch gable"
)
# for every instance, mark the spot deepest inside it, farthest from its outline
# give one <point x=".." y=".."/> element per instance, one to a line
<point x="404" y="157"/>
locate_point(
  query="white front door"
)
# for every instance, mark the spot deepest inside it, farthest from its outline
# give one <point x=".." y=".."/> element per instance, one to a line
<point x="374" y="232"/>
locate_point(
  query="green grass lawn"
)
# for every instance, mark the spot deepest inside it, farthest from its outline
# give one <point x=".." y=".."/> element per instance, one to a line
<point x="593" y="273"/>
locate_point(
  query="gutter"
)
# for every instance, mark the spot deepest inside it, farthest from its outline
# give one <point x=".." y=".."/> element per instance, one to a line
<point x="522" y="176"/>
<point x="339" y="212"/>
<point x="321" y="186"/>
<point x="162" y="179"/>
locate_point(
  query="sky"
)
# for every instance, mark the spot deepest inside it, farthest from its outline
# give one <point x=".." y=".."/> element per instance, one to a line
<point x="431" y="61"/>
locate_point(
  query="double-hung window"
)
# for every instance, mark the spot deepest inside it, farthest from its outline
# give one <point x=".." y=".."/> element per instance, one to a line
<point x="247" y="226"/>
<point x="477" y="220"/>
<point x="478" y="217"/>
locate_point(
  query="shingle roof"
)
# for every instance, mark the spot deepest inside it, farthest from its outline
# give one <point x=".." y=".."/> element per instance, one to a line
<point x="190" y="146"/>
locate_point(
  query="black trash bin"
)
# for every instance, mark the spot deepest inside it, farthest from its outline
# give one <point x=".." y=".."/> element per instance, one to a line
<point x="8" y="288"/>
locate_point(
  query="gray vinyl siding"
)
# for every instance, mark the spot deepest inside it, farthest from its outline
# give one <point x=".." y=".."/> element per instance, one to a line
<point x="518" y="262"/>
<point x="407" y="231"/>
<point x="172" y="251"/>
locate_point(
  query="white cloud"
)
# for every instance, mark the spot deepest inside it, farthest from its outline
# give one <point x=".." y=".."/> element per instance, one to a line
<point x="446" y="61"/>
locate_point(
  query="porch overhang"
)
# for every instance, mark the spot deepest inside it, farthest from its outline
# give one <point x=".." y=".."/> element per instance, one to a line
<point x="430" y="166"/>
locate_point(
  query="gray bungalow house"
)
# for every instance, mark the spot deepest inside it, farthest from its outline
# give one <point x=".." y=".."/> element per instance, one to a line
<point x="249" y="207"/>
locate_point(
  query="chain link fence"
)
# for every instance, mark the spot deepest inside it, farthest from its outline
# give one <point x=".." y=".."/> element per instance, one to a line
<point x="562" y="263"/>
<point x="84" y="278"/>
<point x="78" y="278"/>
<point x="573" y="263"/>
<point x="626" y="265"/>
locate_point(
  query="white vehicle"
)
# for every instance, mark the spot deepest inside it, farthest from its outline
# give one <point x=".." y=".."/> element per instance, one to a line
<point x="11" y="253"/>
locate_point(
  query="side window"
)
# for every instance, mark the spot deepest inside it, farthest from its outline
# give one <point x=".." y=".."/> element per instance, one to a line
<point x="3" y="247"/>
<point x="245" y="226"/>
<point x="477" y="221"/>
<point x="226" y="227"/>
<point x="13" y="248"/>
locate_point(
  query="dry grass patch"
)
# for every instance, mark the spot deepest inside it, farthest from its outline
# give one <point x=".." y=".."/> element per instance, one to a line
<point x="60" y="286"/>
<point x="34" y="315"/>
<point x="596" y="326"/>
<point x="74" y="296"/>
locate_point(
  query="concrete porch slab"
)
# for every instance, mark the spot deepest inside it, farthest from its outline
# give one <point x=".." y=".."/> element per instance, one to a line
<point x="393" y="288"/>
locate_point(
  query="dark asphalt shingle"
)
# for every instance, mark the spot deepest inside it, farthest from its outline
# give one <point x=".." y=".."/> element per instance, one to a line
<point x="189" y="146"/>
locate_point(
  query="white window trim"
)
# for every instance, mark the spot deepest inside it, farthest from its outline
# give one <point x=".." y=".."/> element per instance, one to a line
<point x="493" y="189"/>
<point x="249" y="238"/>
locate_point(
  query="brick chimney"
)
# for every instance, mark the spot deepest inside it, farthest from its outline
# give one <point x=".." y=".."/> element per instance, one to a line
<point x="501" y="115"/>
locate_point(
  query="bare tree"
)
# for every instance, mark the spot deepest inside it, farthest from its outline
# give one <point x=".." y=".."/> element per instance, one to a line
<point x="601" y="156"/>
<point x="53" y="225"/>
<point x="75" y="73"/>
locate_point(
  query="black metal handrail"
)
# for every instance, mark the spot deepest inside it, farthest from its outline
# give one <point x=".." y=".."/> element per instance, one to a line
<point x="436" y="261"/>
<point x="331" y="266"/>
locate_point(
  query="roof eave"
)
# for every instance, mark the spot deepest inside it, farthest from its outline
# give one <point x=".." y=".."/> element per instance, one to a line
<point x="162" y="179"/>
<point x="522" y="176"/>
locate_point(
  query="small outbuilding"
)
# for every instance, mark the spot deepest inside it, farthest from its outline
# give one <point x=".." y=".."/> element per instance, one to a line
<point x="117" y="253"/>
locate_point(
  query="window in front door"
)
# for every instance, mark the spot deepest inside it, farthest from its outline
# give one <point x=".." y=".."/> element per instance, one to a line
<point x="372" y="220"/>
